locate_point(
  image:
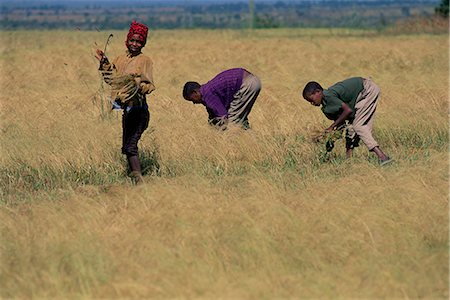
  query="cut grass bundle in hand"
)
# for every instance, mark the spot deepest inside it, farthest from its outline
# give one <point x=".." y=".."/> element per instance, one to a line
<point x="124" y="86"/>
<point x="328" y="138"/>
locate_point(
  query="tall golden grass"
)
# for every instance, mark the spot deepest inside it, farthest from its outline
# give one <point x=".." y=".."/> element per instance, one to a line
<point x="234" y="214"/>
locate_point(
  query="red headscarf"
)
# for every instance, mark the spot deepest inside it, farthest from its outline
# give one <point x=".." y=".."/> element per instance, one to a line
<point x="137" y="28"/>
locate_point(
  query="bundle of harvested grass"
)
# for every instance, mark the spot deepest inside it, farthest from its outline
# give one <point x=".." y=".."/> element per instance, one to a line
<point x="124" y="87"/>
<point x="327" y="138"/>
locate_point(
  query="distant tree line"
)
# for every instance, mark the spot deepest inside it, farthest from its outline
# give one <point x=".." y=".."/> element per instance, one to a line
<point x="117" y="15"/>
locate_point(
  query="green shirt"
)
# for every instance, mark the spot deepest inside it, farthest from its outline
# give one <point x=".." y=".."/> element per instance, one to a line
<point x="345" y="91"/>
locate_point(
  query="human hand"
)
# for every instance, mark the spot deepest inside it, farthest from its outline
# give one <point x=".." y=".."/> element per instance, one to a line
<point x="218" y="122"/>
<point x="328" y="130"/>
<point x="319" y="135"/>
<point x="137" y="79"/>
<point x="99" y="54"/>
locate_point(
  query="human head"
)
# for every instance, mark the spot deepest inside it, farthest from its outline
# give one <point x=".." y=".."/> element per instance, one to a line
<point x="313" y="93"/>
<point x="136" y="37"/>
<point x="191" y="92"/>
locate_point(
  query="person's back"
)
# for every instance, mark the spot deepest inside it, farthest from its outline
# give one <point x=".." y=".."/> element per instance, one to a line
<point x="229" y="96"/>
<point x="344" y="91"/>
<point x="223" y="86"/>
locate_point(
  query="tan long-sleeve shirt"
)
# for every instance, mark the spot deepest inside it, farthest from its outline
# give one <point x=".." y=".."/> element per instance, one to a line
<point x="140" y="65"/>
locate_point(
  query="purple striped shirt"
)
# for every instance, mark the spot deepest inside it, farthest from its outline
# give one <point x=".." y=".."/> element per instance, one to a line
<point x="218" y="93"/>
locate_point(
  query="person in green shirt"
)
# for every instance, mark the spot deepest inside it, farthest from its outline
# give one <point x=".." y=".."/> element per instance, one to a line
<point x="353" y="100"/>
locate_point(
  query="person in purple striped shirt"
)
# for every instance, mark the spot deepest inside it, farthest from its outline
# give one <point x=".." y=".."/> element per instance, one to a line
<point x="228" y="97"/>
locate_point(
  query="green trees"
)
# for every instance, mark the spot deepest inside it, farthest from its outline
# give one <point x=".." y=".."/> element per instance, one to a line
<point x="442" y="9"/>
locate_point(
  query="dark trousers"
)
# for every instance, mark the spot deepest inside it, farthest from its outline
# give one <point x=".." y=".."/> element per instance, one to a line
<point x="134" y="123"/>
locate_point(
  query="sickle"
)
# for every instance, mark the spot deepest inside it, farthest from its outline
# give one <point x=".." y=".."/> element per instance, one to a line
<point x="107" y="42"/>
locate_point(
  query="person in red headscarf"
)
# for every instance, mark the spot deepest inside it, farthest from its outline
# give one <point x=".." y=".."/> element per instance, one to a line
<point x="136" y="116"/>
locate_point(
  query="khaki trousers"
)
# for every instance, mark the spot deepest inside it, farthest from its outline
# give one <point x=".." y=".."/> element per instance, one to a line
<point x="244" y="99"/>
<point x="365" y="107"/>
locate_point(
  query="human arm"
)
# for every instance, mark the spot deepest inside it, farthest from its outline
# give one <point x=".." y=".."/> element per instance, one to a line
<point x="217" y="121"/>
<point x="214" y="105"/>
<point x="346" y="112"/>
<point x="106" y="68"/>
<point x="103" y="60"/>
<point x="145" y="79"/>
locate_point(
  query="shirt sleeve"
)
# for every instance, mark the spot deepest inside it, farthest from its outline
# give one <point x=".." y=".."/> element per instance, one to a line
<point x="333" y="106"/>
<point x="147" y="83"/>
<point x="108" y="70"/>
<point x="215" y="105"/>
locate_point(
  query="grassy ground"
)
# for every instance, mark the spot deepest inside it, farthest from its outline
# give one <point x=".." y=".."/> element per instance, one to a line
<point x="254" y="214"/>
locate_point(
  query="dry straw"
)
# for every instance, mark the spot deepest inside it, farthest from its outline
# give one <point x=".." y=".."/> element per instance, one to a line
<point x="124" y="87"/>
<point x="229" y="214"/>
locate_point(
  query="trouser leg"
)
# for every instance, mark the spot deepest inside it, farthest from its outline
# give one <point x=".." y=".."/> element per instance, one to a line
<point x="134" y="123"/>
<point x="244" y="99"/>
<point x="365" y="114"/>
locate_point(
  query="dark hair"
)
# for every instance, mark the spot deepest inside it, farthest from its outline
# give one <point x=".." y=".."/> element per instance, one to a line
<point x="189" y="88"/>
<point x="310" y="87"/>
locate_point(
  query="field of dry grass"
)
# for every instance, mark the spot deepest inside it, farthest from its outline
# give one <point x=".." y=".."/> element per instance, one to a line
<point x="237" y="214"/>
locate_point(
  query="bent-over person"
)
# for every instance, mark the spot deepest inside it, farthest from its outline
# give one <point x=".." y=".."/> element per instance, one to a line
<point x="228" y="97"/>
<point x="353" y="100"/>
